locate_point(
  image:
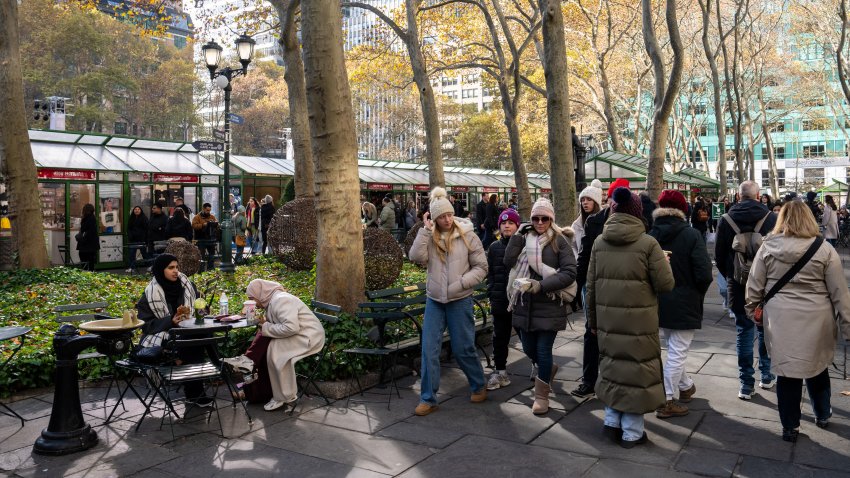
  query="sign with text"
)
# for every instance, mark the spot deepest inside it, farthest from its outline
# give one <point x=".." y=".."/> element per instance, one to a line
<point x="379" y="187"/>
<point x="175" y="178"/>
<point x="218" y="134"/>
<point x="545" y="190"/>
<point x="50" y="173"/>
<point x="490" y="189"/>
<point x="208" y="145"/>
<point x="421" y="187"/>
<point x="460" y="189"/>
<point x="235" y="118"/>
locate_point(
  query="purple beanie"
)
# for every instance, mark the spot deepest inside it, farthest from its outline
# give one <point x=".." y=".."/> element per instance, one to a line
<point x="509" y="215"/>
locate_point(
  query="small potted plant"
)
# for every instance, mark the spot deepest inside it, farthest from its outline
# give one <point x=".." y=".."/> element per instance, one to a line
<point x="201" y="310"/>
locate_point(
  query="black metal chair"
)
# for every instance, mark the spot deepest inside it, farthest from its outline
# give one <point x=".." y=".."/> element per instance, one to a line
<point x="67" y="260"/>
<point x="388" y="336"/>
<point x="328" y="315"/>
<point x="209" y="371"/>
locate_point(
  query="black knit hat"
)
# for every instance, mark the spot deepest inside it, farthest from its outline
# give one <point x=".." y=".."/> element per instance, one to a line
<point x="627" y="202"/>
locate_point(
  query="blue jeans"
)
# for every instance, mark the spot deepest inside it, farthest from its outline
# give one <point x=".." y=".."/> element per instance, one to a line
<point x="631" y="423"/>
<point x="537" y="346"/>
<point x="722" y="287"/>
<point x="746" y="336"/>
<point x="457" y="317"/>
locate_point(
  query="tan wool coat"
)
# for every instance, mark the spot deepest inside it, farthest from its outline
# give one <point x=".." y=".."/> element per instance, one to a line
<point x="627" y="271"/>
<point x="800" y="320"/>
<point x="463" y="269"/>
<point x="297" y="333"/>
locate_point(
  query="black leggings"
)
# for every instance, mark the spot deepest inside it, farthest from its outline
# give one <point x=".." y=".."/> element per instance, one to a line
<point x="88" y="259"/>
<point x="501" y="337"/>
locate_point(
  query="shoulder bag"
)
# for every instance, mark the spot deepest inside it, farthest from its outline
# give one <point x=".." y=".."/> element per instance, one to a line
<point x="758" y="313"/>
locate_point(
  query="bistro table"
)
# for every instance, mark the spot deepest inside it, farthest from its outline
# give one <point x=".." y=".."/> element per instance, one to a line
<point x="9" y="333"/>
<point x="208" y="323"/>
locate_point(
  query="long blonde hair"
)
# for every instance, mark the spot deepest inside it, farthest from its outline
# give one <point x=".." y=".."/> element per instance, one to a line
<point x="443" y="240"/>
<point x="796" y="220"/>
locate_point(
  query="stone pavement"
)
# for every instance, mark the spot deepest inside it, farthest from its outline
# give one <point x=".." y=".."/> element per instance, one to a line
<point x="722" y="436"/>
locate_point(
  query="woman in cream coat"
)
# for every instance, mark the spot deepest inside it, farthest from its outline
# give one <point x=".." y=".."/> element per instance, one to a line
<point x="799" y="321"/>
<point x="295" y="333"/>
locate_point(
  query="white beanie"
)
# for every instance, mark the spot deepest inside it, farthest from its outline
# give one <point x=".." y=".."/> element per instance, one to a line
<point x="594" y="191"/>
<point x="543" y="207"/>
<point x="440" y="203"/>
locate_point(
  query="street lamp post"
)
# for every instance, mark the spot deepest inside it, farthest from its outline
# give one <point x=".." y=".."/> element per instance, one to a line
<point x="223" y="77"/>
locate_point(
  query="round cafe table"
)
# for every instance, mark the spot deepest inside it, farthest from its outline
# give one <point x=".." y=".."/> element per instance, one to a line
<point x="9" y="333"/>
<point x="209" y="323"/>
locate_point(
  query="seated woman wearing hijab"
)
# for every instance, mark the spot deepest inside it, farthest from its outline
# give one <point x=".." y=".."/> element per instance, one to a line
<point x="288" y="333"/>
<point x="169" y="299"/>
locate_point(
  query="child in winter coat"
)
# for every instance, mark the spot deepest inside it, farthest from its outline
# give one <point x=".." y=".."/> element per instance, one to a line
<point x="497" y="283"/>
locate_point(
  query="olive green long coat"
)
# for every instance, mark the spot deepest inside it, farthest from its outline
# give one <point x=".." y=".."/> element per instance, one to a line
<point x="627" y="271"/>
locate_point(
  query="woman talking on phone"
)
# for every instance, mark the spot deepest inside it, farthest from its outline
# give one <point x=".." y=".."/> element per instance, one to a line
<point x="456" y="263"/>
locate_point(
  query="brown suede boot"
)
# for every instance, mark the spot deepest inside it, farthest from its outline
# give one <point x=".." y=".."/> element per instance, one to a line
<point x="671" y="409"/>
<point x="541" y="397"/>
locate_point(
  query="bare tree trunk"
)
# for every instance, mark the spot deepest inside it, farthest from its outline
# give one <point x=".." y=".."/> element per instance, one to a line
<point x="15" y="152"/>
<point x="558" y="112"/>
<point x="520" y="174"/>
<point x="665" y="96"/>
<point x="839" y="52"/>
<point x="294" y="77"/>
<point x="610" y="115"/>
<point x="720" y="123"/>
<point x="340" y="275"/>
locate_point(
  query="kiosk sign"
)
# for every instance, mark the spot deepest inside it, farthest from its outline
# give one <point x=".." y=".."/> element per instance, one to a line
<point x="49" y="173"/>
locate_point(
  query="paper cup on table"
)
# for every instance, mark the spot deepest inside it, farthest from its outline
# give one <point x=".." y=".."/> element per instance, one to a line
<point x="248" y="309"/>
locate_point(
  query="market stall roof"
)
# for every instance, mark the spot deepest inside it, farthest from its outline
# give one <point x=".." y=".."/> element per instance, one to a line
<point x="611" y="165"/>
<point x="699" y="177"/>
<point x="263" y="165"/>
<point x="836" y="187"/>
<point x="73" y="150"/>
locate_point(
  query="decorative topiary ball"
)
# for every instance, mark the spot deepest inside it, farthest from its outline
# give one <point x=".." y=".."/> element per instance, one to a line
<point x="187" y="254"/>
<point x="411" y="236"/>
<point x="292" y="234"/>
<point x="383" y="258"/>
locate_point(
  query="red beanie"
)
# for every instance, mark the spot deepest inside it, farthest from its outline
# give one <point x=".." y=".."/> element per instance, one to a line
<point x="673" y="199"/>
<point x="618" y="183"/>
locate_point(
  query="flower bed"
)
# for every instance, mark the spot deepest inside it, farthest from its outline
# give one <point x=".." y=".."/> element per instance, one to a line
<point x="27" y="298"/>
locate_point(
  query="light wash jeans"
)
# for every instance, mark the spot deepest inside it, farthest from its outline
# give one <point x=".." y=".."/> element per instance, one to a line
<point x="457" y="317"/>
<point x="631" y="423"/>
<point x="747" y="331"/>
<point x="722" y="287"/>
<point x="678" y="346"/>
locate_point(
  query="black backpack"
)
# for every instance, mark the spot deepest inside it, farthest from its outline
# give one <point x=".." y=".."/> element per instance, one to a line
<point x="745" y="245"/>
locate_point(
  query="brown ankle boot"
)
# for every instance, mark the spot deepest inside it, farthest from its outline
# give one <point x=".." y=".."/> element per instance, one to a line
<point x="671" y="409"/>
<point x="541" y="397"/>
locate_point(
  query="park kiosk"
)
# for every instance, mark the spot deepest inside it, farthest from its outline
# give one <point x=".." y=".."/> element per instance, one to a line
<point x="839" y="191"/>
<point x="115" y="174"/>
<point x="612" y="165"/>
<point x="256" y="176"/>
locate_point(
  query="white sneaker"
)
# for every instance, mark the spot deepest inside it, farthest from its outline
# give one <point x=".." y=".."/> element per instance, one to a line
<point x="497" y="381"/>
<point x="731" y="314"/>
<point x="240" y="363"/>
<point x="767" y="384"/>
<point x="744" y="395"/>
<point x="273" y="405"/>
<point x="129" y="270"/>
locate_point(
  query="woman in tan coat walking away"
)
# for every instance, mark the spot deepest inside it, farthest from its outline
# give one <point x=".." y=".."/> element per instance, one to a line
<point x="799" y="320"/>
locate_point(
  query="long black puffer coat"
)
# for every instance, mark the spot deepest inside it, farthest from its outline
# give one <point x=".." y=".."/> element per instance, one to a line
<point x="497" y="276"/>
<point x="681" y="309"/>
<point x="537" y="312"/>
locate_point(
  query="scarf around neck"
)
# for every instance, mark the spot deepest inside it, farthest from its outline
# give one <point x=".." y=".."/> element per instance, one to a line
<point x="531" y="258"/>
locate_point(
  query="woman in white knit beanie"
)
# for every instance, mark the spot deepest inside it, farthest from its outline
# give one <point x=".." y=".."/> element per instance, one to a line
<point x="456" y="263"/>
<point x="590" y="202"/>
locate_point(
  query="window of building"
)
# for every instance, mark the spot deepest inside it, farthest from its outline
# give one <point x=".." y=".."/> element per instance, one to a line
<point x="701" y="130"/>
<point x="700" y="109"/>
<point x="765" y="178"/>
<point x="817" y="124"/>
<point x="469" y="93"/>
<point x="778" y="152"/>
<point x="120" y="128"/>
<point x="448" y="81"/>
<point x="812" y="177"/>
<point x="729" y="130"/>
<point x="777" y="127"/>
<point x="814" y="150"/>
<point x="814" y="102"/>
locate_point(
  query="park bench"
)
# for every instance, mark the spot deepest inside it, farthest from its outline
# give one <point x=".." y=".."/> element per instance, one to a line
<point x="412" y="298"/>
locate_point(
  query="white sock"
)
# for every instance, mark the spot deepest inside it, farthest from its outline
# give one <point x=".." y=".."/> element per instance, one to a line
<point x="503" y="373"/>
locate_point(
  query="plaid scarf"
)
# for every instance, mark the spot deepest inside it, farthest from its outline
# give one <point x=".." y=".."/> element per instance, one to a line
<point x="531" y="258"/>
<point x="159" y="306"/>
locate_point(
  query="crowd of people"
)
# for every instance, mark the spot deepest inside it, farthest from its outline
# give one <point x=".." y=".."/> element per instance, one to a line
<point x="641" y="267"/>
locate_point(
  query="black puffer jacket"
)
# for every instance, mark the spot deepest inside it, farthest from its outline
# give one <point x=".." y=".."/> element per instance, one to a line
<point x="537" y="312"/>
<point x="156" y="227"/>
<point x="137" y="229"/>
<point x="497" y="276"/>
<point x="648" y="209"/>
<point x="745" y="214"/>
<point x="592" y="229"/>
<point x="179" y="227"/>
<point x="87" y="238"/>
<point x="681" y="309"/>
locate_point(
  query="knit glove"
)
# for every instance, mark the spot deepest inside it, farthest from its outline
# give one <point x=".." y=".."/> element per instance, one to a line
<point x="535" y="286"/>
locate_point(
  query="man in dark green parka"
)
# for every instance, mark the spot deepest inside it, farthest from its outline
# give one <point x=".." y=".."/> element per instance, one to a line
<point x="627" y="270"/>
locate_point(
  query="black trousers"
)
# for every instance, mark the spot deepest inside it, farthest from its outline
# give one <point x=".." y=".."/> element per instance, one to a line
<point x="88" y="259"/>
<point x="501" y="337"/>
<point x="789" y="394"/>
<point x="590" y="358"/>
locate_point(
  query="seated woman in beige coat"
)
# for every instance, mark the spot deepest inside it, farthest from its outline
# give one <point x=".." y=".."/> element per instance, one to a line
<point x="288" y="332"/>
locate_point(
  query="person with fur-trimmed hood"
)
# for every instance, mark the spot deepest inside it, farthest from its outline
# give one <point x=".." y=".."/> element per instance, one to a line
<point x="541" y="286"/>
<point x="456" y="263"/>
<point x="680" y="310"/>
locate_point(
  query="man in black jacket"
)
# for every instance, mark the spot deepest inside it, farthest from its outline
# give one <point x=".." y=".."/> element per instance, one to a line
<point x="481" y="215"/>
<point x="590" y="359"/>
<point x="156" y="226"/>
<point x="746" y="214"/>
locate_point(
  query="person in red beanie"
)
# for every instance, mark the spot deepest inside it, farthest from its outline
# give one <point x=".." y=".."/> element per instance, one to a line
<point x="593" y="226"/>
<point x="680" y="311"/>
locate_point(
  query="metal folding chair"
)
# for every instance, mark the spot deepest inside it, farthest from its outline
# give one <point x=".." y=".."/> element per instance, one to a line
<point x="328" y="315"/>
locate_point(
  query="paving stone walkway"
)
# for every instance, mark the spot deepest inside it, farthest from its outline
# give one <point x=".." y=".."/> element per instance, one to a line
<point x="722" y="436"/>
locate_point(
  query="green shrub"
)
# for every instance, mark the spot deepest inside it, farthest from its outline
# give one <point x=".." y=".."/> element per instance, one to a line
<point x="27" y="298"/>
